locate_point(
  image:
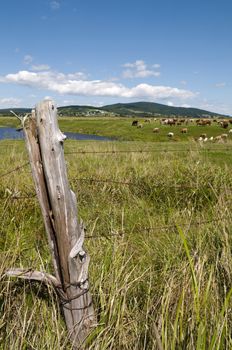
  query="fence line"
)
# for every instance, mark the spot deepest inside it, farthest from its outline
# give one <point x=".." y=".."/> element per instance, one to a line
<point x="15" y="169"/>
<point x="143" y="151"/>
<point x="127" y="183"/>
<point x="91" y="180"/>
<point x="157" y="228"/>
<point x="134" y="183"/>
<point x="14" y="197"/>
<point x="149" y="151"/>
<point x="111" y="152"/>
<point x="85" y="179"/>
<point x="122" y="233"/>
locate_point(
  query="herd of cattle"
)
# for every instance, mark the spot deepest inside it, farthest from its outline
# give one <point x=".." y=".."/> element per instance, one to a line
<point x="187" y="121"/>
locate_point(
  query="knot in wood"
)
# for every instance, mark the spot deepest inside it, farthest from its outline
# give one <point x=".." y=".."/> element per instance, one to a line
<point x="82" y="256"/>
<point x="58" y="192"/>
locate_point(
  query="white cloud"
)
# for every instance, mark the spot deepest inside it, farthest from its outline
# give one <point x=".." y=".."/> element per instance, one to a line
<point x="139" y="74"/>
<point x="220" y="85"/>
<point x="73" y="84"/>
<point x="216" y="107"/>
<point x="130" y="65"/>
<point x="55" y="5"/>
<point x="9" y="102"/>
<point x="98" y="103"/>
<point x="77" y="76"/>
<point x="40" y="67"/>
<point x="170" y="103"/>
<point x="68" y="102"/>
<point x="138" y="69"/>
<point x="27" y="59"/>
<point x="185" y="105"/>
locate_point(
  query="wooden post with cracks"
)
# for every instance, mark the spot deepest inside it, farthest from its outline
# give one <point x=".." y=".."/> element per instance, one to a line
<point x="44" y="143"/>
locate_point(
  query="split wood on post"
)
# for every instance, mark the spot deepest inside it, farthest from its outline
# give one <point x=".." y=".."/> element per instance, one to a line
<point x="44" y="142"/>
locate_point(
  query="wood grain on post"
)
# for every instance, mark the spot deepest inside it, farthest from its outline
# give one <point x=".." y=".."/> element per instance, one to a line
<point x="65" y="234"/>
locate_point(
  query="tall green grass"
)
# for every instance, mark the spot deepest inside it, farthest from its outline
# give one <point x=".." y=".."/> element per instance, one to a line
<point x="160" y="250"/>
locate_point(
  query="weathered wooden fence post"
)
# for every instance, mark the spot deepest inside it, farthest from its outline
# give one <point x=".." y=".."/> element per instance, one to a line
<point x="44" y="142"/>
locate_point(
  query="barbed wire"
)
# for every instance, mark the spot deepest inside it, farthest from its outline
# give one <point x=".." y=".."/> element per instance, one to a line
<point x="142" y="150"/>
<point x="148" y="151"/>
<point x="137" y="226"/>
<point x="122" y="233"/>
<point x="153" y="185"/>
<point x="15" y="198"/>
<point x="135" y="183"/>
<point x="157" y="228"/>
<point x="84" y="179"/>
<point x="14" y="169"/>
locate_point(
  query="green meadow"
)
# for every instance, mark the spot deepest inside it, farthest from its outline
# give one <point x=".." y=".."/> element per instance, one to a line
<point x="159" y="234"/>
<point x="121" y="129"/>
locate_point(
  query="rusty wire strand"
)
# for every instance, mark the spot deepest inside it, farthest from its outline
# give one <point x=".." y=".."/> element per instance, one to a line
<point x="147" y="151"/>
<point x="141" y="150"/>
<point x="156" y="228"/>
<point x="109" y="181"/>
<point x="15" y="169"/>
<point x="134" y="183"/>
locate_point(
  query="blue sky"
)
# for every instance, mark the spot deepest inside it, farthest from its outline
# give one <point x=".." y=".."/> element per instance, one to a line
<point x="101" y="52"/>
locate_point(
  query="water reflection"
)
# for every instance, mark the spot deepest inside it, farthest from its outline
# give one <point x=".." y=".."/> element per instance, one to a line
<point x="11" y="133"/>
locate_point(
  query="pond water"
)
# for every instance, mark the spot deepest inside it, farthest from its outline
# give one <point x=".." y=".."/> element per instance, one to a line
<point x="11" y="133"/>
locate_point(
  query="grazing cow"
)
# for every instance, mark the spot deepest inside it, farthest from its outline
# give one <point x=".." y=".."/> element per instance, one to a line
<point x="211" y="138"/>
<point x="218" y="138"/>
<point x="203" y="122"/>
<point x="203" y="136"/>
<point x="170" y="134"/>
<point x="224" y="136"/>
<point x="230" y="131"/>
<point x="169" y="122"/>
<point x="224" y="124"/>
<point x="139" y="126"/>
<point x="184" y="131"/>
<point x="156" y="130"/>
<point x="135" y="123"/>
<point x="147" y="121"/>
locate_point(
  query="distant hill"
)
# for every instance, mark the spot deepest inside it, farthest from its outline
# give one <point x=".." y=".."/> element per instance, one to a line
<point x="81" y="110"/>
<point x="136" y="109"/>
<point x="139" y="109"/>
<point x="6" y="111"/>
<point x="146" y="109"/>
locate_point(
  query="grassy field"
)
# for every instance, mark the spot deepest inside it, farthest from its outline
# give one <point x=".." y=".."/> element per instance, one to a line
<point x="161" y="266"/>
<point x="121" y="129"/>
